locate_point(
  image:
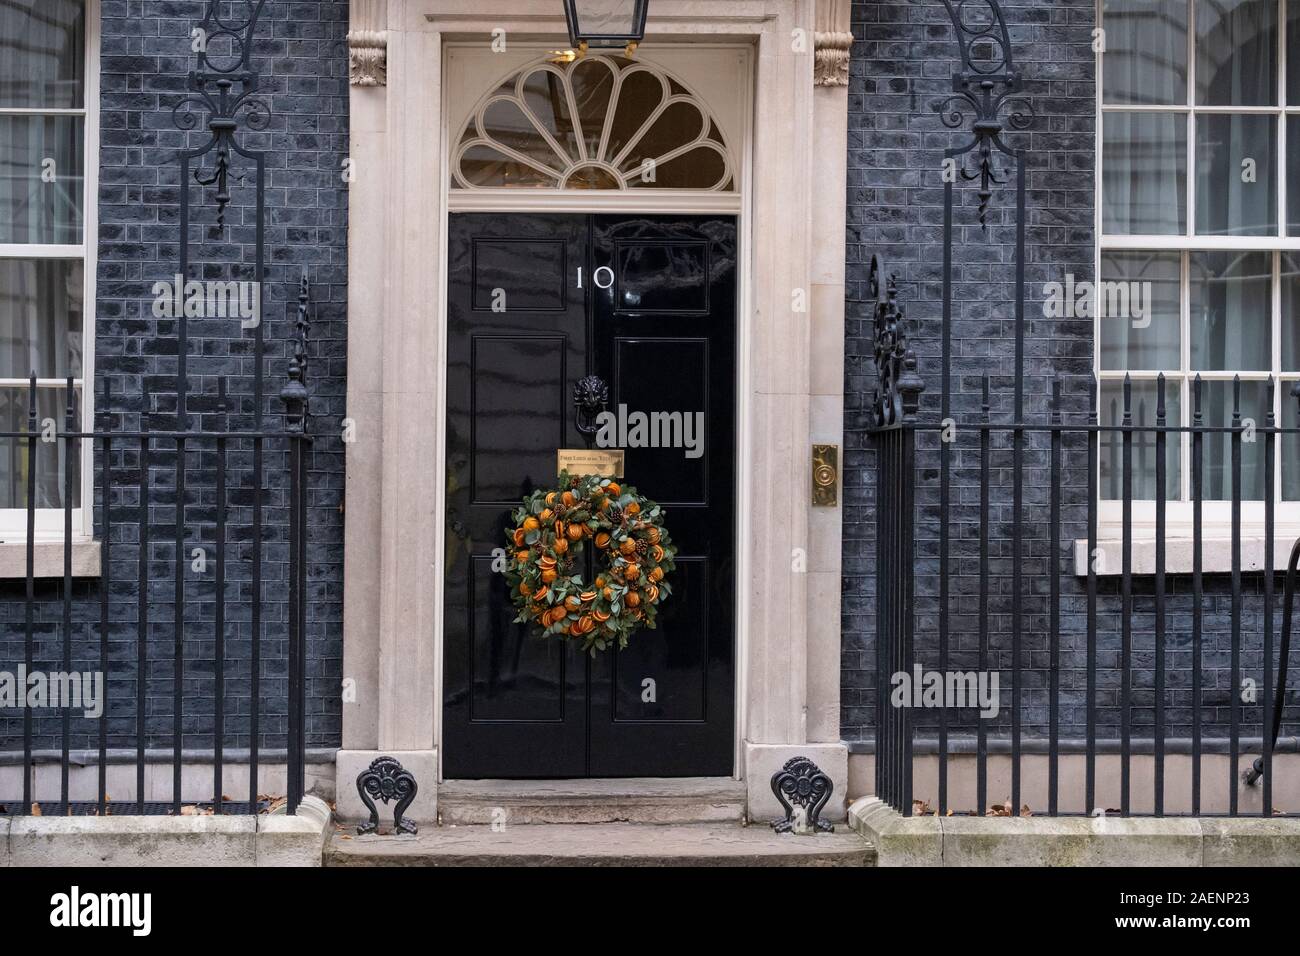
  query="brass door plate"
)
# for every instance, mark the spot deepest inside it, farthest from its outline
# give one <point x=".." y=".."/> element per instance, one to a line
<point x="589" y="461"/>
<point x="825" y="476"/>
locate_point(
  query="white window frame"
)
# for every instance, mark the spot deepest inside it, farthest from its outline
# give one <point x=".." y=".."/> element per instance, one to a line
<point x="1216" y="515"/>
<point x="49" y="521"/>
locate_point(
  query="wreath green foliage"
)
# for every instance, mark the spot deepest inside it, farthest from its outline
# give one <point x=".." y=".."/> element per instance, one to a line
<point x="633" y="559"/>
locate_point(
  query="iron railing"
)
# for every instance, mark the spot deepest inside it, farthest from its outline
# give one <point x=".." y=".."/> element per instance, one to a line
<point x="133" y="464"/>
<point x="972" y="516"/>
<point x="927" y="544"/>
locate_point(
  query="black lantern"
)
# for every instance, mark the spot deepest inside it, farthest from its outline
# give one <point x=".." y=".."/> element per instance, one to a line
<point x="605" y="24"/>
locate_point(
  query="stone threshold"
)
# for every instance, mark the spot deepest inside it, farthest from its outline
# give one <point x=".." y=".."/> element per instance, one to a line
<point x="591" y="801"/>
<point x="610" y="844"/>
<point x="274" y="839"/>
<point x="1074" y="841"/>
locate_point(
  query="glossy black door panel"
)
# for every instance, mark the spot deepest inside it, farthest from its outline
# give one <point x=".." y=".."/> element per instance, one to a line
<point x="531" y="311"/>
<point x="667" y="381"/>
<point x="665" y="331"/>
<point x="518" y="415"/>
<point x="516" y="341"/>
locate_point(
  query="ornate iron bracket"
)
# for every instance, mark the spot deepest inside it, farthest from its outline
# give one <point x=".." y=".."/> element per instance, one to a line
<point x="386" y="780"/>
<point x="224" y="85"/>
<point x="803" y="792"/>
<point x="590" y="396"/>
<point x="899" y="395"/>
<point x="294" y="393"/>
<point x="987" y="83"/>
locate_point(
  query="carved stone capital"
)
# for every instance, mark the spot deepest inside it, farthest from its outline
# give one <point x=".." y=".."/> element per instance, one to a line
<point x="368" y="57"/>
<point x="831" y="58"/>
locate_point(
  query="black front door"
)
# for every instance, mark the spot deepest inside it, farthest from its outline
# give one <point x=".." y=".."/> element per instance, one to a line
<point x="536" y="302"/>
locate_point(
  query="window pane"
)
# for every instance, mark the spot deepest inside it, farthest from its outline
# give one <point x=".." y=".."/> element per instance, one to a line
<point x="40" y="318"/>
<point x="1293" y="163"/>
<point x="1293" y="61"/>
<point x="1144" y="335"/>
<point x="42" y="47"/>
<point x="1236" y="194"/>
<point x="1231" y="311"/>
<point x="51" y="457"/>
<point x="1144" y="443"/>
<point x="1236" y="52"/>
<point x="1289" y="445"/>
<point x="1216" y="406"/>
<point x="1144" y="183"/>
<point x="605" y="17"/>
<point x="1146" y="52"/>
<point x="41" y="168"/>
<point x="1290" y="312"/>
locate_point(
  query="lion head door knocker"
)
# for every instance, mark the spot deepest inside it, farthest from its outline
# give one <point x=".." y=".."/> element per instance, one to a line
<point x="590" y="396"/>
<point x="803" y="791"/>
<point x="386" y="780"/>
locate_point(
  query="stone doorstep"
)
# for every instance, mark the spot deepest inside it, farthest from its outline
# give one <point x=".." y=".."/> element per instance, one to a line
<point x="1074" y="841"/>
<point x="592" y="801"/>
<point x="275" y="839"/>
<point x="602" y="844"/>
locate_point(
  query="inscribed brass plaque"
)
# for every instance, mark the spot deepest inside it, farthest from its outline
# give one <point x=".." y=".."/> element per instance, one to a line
<point x="606" y="462"/>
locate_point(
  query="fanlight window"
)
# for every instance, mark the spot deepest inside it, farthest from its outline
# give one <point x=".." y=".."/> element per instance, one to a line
<point x="596" y="123"/>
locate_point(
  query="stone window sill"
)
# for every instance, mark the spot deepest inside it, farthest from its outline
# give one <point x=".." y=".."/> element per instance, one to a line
<point x="49" y="559"/>
<point x="1216" y="554"/>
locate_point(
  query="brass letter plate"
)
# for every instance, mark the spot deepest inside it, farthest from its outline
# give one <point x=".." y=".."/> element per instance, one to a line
<point x="606" y="462"/>
<point x="825" y="475"/>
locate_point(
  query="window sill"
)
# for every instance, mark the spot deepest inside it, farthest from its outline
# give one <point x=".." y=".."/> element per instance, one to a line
<point x="1216" y="554"/>
<point x="49" y="559"/>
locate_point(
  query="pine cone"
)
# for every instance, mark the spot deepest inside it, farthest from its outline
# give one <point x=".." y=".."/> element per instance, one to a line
<point x="642" y="547"/>
<point x="616" y="514"/>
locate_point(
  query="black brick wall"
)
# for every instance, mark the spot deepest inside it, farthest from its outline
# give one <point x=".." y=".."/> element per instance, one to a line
<point x="145" y="55"/>
<point x="903" y="59"/>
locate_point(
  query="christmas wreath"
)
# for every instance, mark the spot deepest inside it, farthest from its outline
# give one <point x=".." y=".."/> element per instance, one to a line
<point x="633" y="558"/>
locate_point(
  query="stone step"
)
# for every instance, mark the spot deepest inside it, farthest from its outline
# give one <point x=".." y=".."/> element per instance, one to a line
<point x="638" y="800"/>
<point x="601" y="844"/>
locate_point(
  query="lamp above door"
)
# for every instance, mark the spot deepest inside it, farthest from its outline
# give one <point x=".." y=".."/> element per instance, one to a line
<point x="606" y="24"/>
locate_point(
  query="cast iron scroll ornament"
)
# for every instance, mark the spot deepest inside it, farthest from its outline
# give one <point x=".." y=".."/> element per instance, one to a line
<point x="590" y="396"/>
<point x="987" y="82"/>
<point x="801" y="783"/>
<point x="224" y="85"/>
<point x="386" y="781"/>
<point x="899" y="395"/>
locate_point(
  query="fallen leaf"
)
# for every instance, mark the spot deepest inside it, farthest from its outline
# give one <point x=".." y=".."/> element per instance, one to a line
<point x="36" y="810"/>
<point x="1025" y="811"/>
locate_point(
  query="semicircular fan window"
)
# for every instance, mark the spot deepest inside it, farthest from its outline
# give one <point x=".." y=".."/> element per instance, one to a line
<point x="596" y="123"/>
